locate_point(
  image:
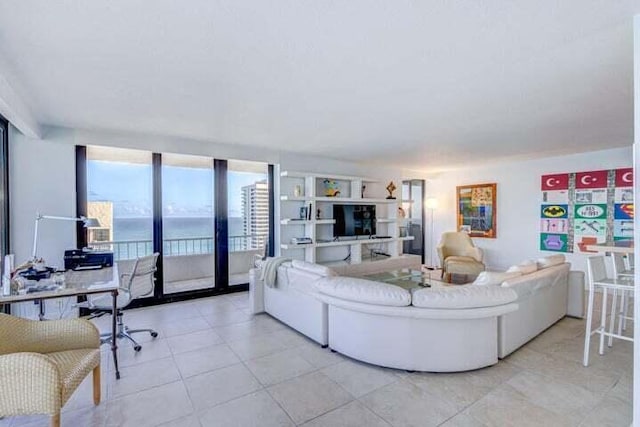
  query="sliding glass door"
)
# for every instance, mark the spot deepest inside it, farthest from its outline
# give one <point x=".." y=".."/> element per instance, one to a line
<point x="120" y="196"/>
<point x="413" y="223"/>
<point x="188" y="223"/>
<point x="209" y="219"/>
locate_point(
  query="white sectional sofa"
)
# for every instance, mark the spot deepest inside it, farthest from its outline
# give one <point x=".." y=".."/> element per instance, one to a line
<point x="543" y="299"/>
<point x="437" y="330"/>
<point x="293" y="300"/>
<point x="446" y="329"/>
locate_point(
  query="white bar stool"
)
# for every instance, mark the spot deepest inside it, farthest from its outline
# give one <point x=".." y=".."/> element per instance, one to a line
<point x="597" y="277"/>
<point x="622" y="272"/>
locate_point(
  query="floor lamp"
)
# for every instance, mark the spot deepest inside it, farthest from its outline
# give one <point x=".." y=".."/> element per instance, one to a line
<point x="87" y="222"/>
<point x="431" y="204"/>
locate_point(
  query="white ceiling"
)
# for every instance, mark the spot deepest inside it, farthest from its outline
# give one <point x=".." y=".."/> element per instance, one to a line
<point x="423" y="84"/>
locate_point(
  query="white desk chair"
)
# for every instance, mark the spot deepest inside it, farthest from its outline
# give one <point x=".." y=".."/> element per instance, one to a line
<point x="597" y="277"/>
<point x="139" y="283"/>
<point x="622" y="272"/>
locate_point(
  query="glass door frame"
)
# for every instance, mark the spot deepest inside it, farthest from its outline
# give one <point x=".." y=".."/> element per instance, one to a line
<point x="221" y="232"/>
<point x="422" y="184"/>
<point x="5" y="241"/>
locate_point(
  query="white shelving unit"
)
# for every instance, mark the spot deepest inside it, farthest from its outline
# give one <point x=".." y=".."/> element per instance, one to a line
<point x="295" y="221"/>
<point x="318" y="228"/>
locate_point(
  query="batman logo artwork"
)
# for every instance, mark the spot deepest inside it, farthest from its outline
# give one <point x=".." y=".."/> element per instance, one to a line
<point x="554" y="211"/>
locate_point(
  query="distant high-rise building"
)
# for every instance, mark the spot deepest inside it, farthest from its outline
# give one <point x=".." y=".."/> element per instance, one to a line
<point x="255" y="214"/>
<point x="103" y="212"/>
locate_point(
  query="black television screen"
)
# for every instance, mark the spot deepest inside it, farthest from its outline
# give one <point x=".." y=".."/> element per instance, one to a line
<point x="354" y="220"/>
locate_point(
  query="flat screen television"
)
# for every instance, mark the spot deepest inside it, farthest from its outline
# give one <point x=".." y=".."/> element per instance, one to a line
<point x="354" y="220"/>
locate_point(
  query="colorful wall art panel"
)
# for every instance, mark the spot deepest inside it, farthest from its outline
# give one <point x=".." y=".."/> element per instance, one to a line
<point x="477" y="209"/>
<point x="583" y="208"/>
<point x="554" y="213"/>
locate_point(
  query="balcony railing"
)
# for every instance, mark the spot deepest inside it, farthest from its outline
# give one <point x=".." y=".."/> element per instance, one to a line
<point x="130" y="249"/>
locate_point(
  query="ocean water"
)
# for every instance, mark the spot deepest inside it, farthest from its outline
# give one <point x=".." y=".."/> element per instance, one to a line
<point x="128" y="229"/>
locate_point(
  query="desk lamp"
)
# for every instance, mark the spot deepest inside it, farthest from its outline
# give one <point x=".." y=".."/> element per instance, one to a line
<point x="87" y="222"/>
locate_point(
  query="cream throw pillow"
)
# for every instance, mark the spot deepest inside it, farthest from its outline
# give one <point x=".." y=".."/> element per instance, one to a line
<point x="550" y="261"/>
<point x="310" y="267"/>
<point x="488" y="278"/>
<point x="526" y="267"/>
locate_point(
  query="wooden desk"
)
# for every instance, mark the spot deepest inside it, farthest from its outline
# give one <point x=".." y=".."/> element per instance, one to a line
<point x="78" y="283"/>
<point x="620" y="246"/>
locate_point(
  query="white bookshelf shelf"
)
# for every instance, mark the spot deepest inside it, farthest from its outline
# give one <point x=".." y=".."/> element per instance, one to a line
<point x="295" y="246"/>
<point x="293" y="221"/>
<point x="300" y="191"/>
<point x="345" y="243"/>
<point x="295" y="174"/>
<point x="386" y="220"/>
<point x="287" y="198"/>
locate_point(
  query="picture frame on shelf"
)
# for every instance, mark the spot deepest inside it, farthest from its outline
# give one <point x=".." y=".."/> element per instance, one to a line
<point x="476" y="209"/>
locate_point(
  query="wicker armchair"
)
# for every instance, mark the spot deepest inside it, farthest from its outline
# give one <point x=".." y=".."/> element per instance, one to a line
<point x="42" y="363"/>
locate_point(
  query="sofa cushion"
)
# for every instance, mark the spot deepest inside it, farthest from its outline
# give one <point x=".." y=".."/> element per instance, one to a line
<point x="364" y="291"/>
<point x="550" y="261"/>
<point x="465" y="296"/>
<point x="298" y="279"/>
<point x="526" y="285"/>
<point x="310" y="267"/>
<point x="488" y="278"/>
<point x="526" y="267"/>
<point x="456" y="258"/>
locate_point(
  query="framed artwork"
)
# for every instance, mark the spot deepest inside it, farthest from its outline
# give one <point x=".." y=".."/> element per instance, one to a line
<point x="477" y="209"/>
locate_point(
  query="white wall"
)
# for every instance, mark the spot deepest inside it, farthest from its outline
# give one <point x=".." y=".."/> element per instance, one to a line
<point x="42" y="178"/>
<point x="519" y="197"/>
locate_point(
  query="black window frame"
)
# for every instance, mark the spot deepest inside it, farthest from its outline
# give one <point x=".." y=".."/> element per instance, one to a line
<point x="5" y="218"/>
<point x="221" y="278"/>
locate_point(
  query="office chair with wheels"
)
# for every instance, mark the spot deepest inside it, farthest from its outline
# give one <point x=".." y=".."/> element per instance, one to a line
<point x="139" y="283"/>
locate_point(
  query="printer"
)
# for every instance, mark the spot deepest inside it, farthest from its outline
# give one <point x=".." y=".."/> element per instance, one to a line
<point x="87" y="259"/>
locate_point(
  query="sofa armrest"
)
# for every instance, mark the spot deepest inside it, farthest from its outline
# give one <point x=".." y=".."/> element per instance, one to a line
<point x="30" y="385"/>
<point x="441" y="254"/>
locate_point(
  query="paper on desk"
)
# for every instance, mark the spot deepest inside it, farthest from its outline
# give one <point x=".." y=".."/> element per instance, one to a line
<point x="104" y="285"/>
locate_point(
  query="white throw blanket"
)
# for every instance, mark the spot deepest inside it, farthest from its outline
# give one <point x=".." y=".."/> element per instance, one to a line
<point x="270" y="270"/>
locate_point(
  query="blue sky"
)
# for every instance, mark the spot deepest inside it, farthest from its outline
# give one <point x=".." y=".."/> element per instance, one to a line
<point x="186" y="191"/>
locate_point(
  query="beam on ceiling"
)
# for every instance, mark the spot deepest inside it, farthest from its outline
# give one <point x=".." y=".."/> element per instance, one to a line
<point x="13" y="108"/>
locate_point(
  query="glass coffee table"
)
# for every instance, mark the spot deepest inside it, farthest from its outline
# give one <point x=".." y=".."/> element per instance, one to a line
<point x="408" y="278"/>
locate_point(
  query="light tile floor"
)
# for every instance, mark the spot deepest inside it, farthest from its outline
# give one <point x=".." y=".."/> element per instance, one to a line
<point x="214" y="364"/>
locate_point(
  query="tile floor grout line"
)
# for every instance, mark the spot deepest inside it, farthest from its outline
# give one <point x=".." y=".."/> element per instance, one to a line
<point x="614" y="392"/>
<point x="265" y="389"/>
<point x="555" y="379"/>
